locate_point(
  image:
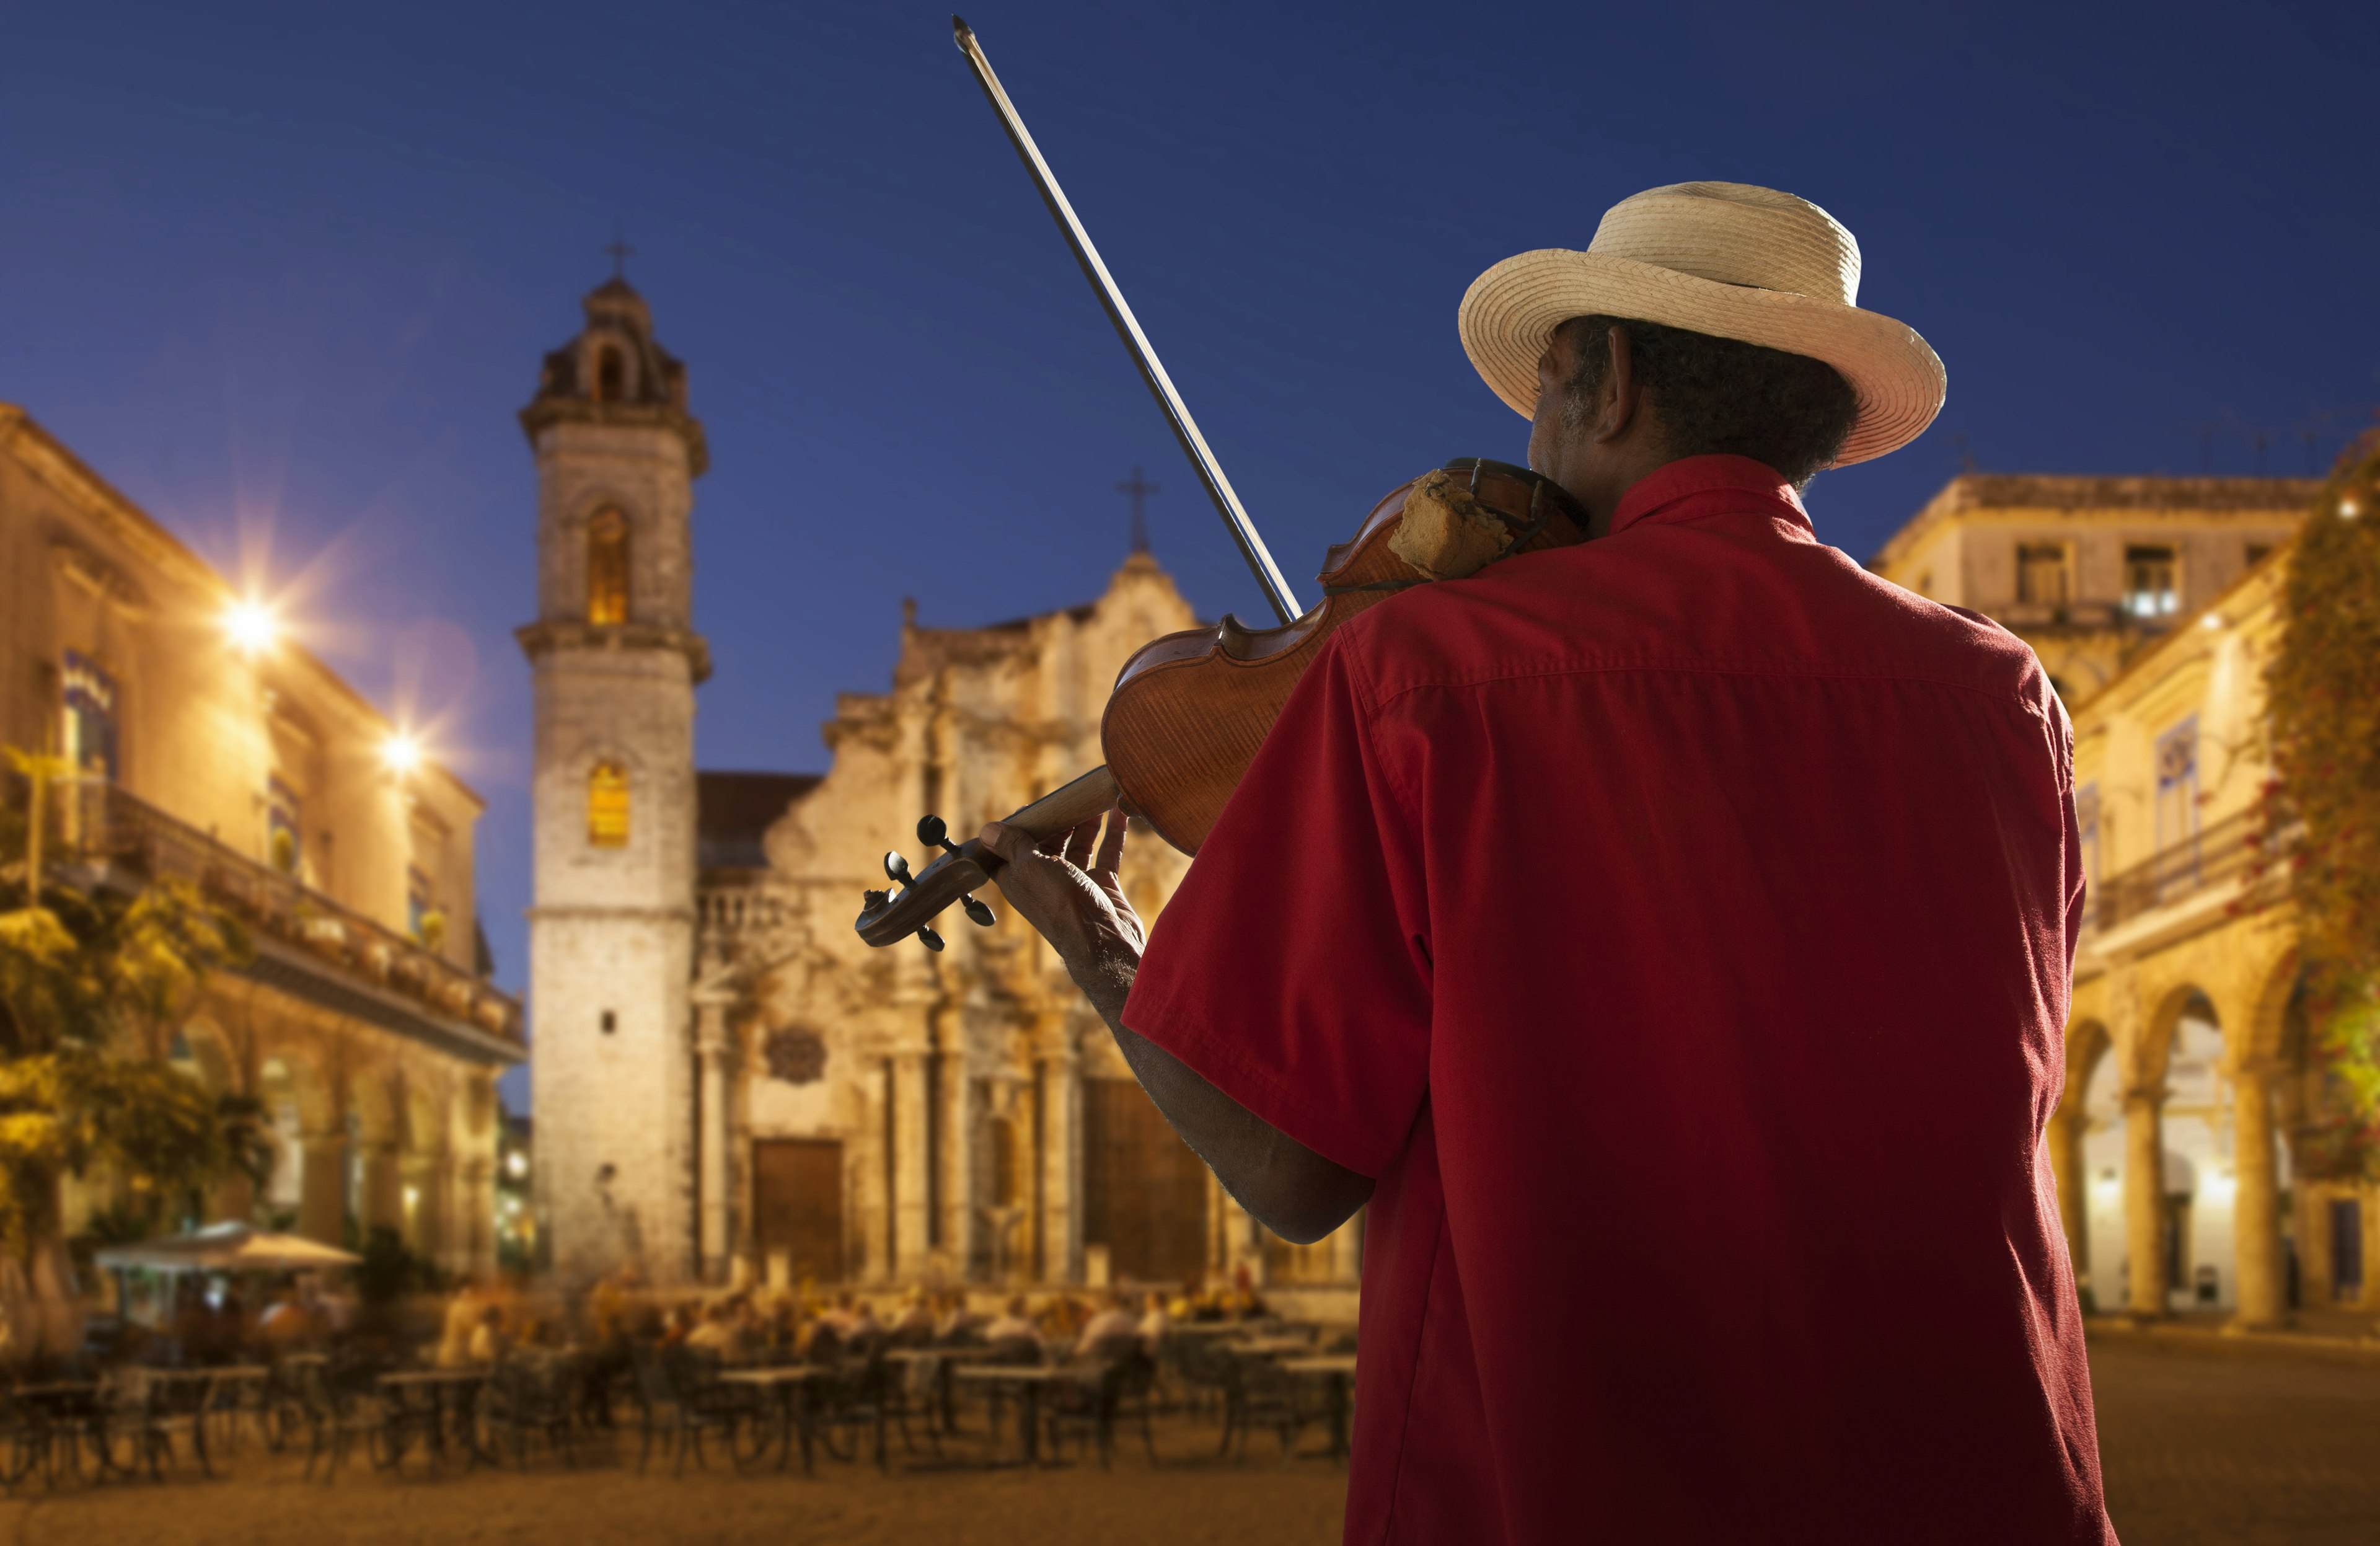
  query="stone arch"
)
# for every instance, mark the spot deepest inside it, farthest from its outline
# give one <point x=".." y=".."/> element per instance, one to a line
<point x="2092" y="1194"/>
<point x="201" y="1050"/>
<point x="2157" y="1029"/>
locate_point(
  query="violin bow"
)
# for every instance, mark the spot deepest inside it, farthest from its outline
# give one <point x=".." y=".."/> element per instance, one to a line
<point x="1135" y="342"/>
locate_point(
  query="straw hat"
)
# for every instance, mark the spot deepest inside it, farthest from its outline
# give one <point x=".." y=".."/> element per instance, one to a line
<point x="1726" y="259"/>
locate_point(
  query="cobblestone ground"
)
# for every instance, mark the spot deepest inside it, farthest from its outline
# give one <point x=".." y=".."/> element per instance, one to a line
<point x="2197" y="1449"/>
<point x="2240" y="1449"/>
<point x="1193" y="1498"/>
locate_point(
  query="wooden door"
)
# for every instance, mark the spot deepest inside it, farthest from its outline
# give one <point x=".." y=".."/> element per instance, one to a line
<point x="798" y="1204"/>
<point x="1143" y="1191"/>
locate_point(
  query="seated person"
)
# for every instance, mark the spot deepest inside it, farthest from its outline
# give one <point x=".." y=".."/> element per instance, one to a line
<point x="1012" y="1329"/>
<point x="914" y="1325"/>
<point x="954" y="1324"/>
<point x="1104" y="1334"/>
<point x="1154" y="1323"/>
<point x="487" y="1343"/>
<point x="719" y="1334"/>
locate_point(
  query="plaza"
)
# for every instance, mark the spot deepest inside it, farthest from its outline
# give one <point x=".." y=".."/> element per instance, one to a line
<point x="2246" y="1447"/>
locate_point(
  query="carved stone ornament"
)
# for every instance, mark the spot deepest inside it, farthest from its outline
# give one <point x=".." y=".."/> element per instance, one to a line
<point x="795" y="1056"/>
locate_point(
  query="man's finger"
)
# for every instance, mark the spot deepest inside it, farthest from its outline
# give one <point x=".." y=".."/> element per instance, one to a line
<point x="1012" y="844"/>
<point x="1080" y="842"/>
<point x="1112" y="844"/>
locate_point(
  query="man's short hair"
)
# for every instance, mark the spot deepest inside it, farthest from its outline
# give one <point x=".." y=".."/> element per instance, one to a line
<point x="1720" y="395"/>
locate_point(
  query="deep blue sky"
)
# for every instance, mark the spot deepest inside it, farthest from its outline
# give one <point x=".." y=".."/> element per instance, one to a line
<point x="286" y="272"/>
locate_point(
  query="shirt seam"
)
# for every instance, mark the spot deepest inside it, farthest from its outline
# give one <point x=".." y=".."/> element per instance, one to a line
<point x="1361" y="679"/>
<point x="1421" y="1350"/>
<point x="1696" y="668"/>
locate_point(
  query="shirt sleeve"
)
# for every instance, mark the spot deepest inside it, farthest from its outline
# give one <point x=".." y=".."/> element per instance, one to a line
<point x="1292" y="969"/>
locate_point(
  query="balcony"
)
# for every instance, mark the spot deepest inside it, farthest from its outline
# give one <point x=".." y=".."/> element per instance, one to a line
<point x="2231" y="854"/>
<point x="306" y="942"/>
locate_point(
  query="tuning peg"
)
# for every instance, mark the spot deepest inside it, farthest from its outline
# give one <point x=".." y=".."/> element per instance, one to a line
<point x="898" y="868"/>
<point x="978" y="913"/>
<point x="927" y="937"/>
<point x="934" y="833"/>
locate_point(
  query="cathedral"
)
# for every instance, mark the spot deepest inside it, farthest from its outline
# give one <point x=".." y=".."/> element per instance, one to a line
<point x="727" y="1085"/>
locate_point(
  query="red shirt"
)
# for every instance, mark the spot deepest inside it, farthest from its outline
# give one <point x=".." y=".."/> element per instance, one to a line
<point x="1680" y="927"/>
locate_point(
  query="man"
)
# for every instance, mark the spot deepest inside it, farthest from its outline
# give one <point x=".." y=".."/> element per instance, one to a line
<point x="1675" y="930"/>
<point x="1113" y="1323"/>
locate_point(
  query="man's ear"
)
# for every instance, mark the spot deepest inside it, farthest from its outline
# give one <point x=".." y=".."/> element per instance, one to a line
<point x="1617" y="404"/>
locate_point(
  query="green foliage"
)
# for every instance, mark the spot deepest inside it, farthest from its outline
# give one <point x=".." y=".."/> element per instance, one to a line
<point x="91" y="985"/>
<point x="2322" y="688"/>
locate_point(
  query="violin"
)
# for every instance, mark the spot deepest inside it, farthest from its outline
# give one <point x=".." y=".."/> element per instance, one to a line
<point x="1189" y="710"/>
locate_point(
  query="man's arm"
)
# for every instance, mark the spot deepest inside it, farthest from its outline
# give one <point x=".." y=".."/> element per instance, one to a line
<point x="1075" y="900"/>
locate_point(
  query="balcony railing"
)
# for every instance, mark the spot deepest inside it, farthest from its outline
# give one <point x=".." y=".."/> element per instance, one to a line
<point x="2230" y="849"/>
<point x="94" y="821"/>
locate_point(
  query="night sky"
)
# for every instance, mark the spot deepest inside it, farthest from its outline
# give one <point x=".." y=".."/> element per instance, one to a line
<point x="284" y="274"/>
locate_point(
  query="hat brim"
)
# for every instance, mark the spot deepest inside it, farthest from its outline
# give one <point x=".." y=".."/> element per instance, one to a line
<point x="1509" y="313"/>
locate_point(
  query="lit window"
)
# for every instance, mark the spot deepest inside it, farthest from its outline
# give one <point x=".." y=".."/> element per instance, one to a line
<point x="607" y="806"/>
<point x="2041" y="574"/>
<point x="607" y="568"/>
<point x="285" y="844"/>
<point x="89" y="717"/>
<point x="2149" y="590"/>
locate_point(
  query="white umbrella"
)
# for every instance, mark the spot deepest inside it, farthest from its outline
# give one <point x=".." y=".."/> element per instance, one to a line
<point x="227" y="1247"/>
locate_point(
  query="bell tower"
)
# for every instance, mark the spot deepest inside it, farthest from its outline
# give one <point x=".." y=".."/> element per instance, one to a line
<point x="615" y="661"/>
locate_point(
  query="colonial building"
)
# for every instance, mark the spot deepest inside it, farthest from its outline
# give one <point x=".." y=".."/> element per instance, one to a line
<point x="2087" y="570"/>
<point x="206" y="747"/>
<point x="729" y="1083"/>
<point x="2182" y="1142"/>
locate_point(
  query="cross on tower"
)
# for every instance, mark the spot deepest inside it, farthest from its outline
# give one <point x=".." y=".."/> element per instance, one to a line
<point x="620" y="249"/>
<point x="1139" y="489"/>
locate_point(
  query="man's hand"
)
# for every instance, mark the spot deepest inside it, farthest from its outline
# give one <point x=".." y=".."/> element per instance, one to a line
<point x="1067" y="887"/>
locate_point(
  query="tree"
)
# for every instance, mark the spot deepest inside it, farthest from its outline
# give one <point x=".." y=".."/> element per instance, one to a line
<point x="2322" y="688"/>
<point x="92" y="984"/>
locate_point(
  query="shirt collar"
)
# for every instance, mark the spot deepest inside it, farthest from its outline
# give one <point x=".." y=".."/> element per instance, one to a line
<point x="1694" y="487"/>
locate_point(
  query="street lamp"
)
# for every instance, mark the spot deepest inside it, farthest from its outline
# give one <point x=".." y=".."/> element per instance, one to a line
<point x="253" y="627"/>
<point x="400" y="753"/>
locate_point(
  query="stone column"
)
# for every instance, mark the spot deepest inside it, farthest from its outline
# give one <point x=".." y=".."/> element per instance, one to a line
<point x="875" y="1222"/>
<point x="910" y="1197"/>
<point x="383" y="1199"/>
<point x="962" y="1189"/>
<point x="1347" y="1250"/>
<point x="711" y="1048"/>
<point x="322" y="1204"/>
<point x="476" y="1216"/>
<point x="2064" y="1139"/>
<point x="2144" y="1200"/>
<point x="1061" y="1163"/>
<point x="2256" y="1206"/>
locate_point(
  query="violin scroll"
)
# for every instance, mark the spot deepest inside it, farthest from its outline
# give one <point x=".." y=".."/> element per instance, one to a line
<point x="886" y="918"/>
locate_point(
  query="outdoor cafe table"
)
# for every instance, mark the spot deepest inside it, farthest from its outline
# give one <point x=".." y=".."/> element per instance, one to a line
<point x="1028" y="1381"/>
<point x="1339" y="1370"/>
<point x="787" y="1380"/>
<point x="434" y="1384"/>
<point x="936" y="1362"/>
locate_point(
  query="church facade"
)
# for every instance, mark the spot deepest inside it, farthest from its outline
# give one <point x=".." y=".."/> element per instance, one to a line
<point x="728" y="1085"/>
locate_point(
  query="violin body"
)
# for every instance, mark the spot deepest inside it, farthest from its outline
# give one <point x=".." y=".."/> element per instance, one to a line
<point x="1189" y="710"/>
